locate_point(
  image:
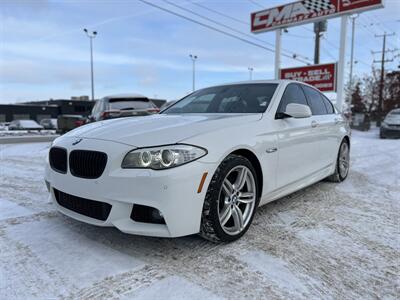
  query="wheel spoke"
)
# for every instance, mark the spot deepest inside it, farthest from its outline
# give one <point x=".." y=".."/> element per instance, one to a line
<point x="237" y="200"/>
<point x="237" y="218"/>
<point x="344" y="159"/>
<point x="225" y="215"/>
<point x="247" y="197"/>
<point x="228" y="187"/>
<point x="241" y="179"/>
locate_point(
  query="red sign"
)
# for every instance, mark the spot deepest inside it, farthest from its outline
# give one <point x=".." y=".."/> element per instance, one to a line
<point x="323" y="77"/>
<point x="307" y="11"/>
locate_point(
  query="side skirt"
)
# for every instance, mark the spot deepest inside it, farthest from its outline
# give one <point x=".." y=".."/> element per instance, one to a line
<point x="297" y="185"/>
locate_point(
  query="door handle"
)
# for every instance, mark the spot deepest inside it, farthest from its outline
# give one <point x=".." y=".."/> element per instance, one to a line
<point x="338" y="120"/>
<point x="271" y="150"/>
<point x="314" y="124"/>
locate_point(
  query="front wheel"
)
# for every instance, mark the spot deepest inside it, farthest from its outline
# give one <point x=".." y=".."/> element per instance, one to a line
<point x="231" y="200"/>
<point x="342" y="163"/>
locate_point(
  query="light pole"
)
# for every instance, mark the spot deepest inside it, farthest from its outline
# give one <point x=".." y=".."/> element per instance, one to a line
<point x="193" y="58"/>
<point x="353" y="25"/>
<point x="250" y="72"/>
<point x="91" y="36"/>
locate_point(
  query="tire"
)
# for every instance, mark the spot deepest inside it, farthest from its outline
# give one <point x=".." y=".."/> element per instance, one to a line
<point x="339" y="175"/>
<point x="218" y="205"/>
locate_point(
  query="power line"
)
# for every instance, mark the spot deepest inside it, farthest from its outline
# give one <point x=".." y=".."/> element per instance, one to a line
<point x="380" y="23"/>
<point x="256" y="3"/>
<point x="347" y="55"/>
<point x="231" y="28"/>
<point x="298" y="36"/>
<point x="219" y="23"/>
<point x="216" y="29"/>
<point x="329" y="54"/>
<point x="220" y="13"/>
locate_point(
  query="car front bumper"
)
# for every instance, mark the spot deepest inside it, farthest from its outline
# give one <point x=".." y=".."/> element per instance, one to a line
<point x="390" y="132"/>
<point x="174" y="192"/>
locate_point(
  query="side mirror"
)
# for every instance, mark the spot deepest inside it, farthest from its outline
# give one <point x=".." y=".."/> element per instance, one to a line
<point x="298" y="110"/>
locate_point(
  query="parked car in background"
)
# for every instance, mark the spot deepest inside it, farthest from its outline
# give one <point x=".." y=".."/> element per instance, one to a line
<point x="66" y="123"/>
<point x="123" y="105"/>
<point x="204" y="164"/>
<point x="49" y="123"/>
<point x="24" y="125"/>
<point x="390" y="127"/>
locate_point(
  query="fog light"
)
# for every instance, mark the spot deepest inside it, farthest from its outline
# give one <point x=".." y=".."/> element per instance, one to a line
<point x="157" y="216"/>
<point x="146" y="214"/>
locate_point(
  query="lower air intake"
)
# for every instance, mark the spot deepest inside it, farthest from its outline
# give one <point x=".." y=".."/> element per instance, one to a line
<point x="89" y="208"/>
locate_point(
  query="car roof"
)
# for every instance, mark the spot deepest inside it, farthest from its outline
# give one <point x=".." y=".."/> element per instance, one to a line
<point x="275" y="81"/>
<point x="127" y="95"/>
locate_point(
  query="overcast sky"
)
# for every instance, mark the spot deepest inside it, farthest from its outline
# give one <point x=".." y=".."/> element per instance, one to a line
<point x="45" y="54"/>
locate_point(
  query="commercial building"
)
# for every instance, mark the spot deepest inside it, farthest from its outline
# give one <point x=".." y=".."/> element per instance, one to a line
<point x="38" y="110"/>
<point x="44" y="109"/>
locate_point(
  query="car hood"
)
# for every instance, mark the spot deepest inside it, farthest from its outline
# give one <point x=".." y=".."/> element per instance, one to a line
<point x="160" y="129"/>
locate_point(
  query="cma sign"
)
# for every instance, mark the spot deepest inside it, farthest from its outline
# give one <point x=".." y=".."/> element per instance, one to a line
<point x="289" y="13"/>
<point x="307" y="11"/>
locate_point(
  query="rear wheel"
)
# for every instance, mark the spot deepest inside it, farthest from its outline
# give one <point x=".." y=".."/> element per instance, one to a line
<point x="342" y="163"/>
<point x="231" y="200"/>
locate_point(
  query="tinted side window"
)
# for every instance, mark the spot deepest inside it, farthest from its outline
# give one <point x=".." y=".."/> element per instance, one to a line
<point x="293" y="94"/>
<point x="328" y="105"/>
<point x="316" y="101"/>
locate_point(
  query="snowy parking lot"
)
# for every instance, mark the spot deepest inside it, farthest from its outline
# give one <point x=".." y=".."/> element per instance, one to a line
<point x="330" y="241"/>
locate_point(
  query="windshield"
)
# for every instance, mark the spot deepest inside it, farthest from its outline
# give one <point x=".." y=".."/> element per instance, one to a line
<point x="127" y="104"/>
<point x="394" y="113"/>
<point x="241" y="98"/>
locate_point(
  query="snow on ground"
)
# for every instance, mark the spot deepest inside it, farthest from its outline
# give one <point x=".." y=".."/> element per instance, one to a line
<point x="330" y="241"/>
<point x="44" y="132"/>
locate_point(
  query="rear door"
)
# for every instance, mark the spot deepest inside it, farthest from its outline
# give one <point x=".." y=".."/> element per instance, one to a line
<point x="296" y="140"/>
<point x="324" y="128"/>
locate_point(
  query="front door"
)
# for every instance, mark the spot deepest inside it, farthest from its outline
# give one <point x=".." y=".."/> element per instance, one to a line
<point x="296" y="140"/>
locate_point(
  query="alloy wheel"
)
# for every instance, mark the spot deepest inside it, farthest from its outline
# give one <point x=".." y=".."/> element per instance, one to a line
<point x="344" y="160"/>
<point x="237" y="200"/>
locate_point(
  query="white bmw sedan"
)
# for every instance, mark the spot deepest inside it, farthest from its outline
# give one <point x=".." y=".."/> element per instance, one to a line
<point x="204" y="164"/>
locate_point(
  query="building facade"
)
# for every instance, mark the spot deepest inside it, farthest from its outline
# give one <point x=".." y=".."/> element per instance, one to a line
<point x="49" y="109"/>
<point x="39" y="110"/>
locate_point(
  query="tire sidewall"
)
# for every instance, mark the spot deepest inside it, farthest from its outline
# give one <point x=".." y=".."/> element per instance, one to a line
<point x="214" y="189"/>
<point x="342" y="178"/>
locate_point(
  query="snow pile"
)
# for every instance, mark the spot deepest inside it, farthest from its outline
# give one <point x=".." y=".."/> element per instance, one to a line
<point x="7" y="133"/>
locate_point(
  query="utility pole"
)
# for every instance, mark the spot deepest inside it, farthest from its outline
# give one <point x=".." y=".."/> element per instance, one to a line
<point x="193" y="58"/>
<point x="91" y="36"/>
<point x="382" y="80"/>
<point x="319" y="28"/>
<point x="250" y="72"/>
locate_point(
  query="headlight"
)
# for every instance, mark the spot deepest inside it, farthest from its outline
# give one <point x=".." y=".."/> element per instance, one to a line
<point x="384" y="124"/>
<point x="163" y="157"/>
